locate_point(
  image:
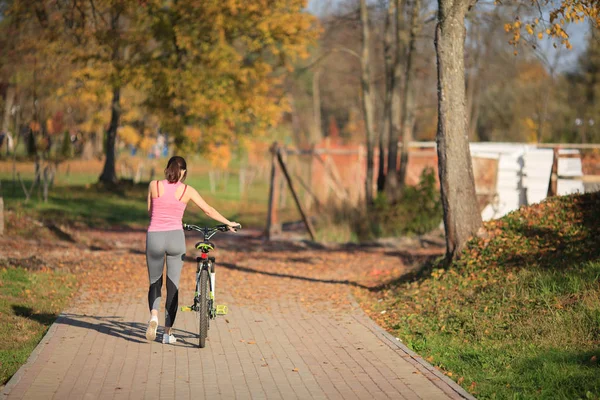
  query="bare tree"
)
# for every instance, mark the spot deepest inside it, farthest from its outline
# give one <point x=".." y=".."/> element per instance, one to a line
<point x="462" y="217"/>
<point x="389" y="56"/>
<point x="408" y="104"/>
<point x="367" y="99"/>
<point x="391" y="181"/>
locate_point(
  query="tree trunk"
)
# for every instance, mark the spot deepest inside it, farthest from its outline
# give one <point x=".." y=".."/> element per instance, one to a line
<point x="318" y="134"/>
<point x="87" y="151"/>
<point x="388" y="49"/>
<point x="10" y="98"/>
<point x="408" y="107"/>
<point x="296" y="128"/>
<point x="473" y="82"/>
<point x="391" y="179"/>
<point x="462" y="218"/>
<point x="367" y="100"/>
<point x="109" y="173"/>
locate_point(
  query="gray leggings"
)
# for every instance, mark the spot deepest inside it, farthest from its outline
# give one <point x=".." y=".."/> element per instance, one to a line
<point x="171" y="243"/>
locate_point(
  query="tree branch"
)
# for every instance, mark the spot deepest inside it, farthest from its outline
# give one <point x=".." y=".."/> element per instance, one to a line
<point x="327" y="54"/>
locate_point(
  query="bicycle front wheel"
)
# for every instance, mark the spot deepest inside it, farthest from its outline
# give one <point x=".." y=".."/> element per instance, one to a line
<point x="203" y="309"/>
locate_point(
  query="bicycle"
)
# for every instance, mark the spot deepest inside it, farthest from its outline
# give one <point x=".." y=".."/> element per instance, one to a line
<point x="204" y="296"/>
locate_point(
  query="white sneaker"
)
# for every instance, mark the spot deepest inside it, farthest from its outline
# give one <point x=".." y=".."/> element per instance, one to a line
<point x="151" y="330"/>
<point x="169" y="339"/>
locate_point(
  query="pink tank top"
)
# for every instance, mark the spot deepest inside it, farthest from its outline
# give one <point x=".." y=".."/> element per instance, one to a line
<point x="166" y="211"/>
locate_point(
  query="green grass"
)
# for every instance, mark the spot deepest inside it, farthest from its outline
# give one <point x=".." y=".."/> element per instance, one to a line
<point x="518" y="317"/>
<point x="29" y="303"/>
<point x="83" y="202"/>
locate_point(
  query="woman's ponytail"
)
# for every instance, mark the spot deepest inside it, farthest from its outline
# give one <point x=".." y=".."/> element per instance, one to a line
<point x="174" y="167"/>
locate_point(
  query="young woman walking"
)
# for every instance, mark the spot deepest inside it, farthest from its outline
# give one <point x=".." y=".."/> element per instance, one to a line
<point x="167" y="200"/>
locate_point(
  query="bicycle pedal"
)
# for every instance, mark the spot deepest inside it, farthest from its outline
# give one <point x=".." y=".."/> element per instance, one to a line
<point x="186" y="308"/>
<point x="222" y="309"/>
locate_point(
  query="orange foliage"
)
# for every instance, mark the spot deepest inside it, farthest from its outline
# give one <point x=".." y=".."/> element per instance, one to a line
<point x="568" y="11"/>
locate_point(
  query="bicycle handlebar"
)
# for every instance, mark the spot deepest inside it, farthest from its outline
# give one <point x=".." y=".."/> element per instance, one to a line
<point x="222" y="228"/>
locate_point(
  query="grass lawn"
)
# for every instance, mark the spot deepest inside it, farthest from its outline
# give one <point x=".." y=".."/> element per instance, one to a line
<point x="30" y="301"/>
<point x="76" y="199"/>
<point x="518" y="317"/>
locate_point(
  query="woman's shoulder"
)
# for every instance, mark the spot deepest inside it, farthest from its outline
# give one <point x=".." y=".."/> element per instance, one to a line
<point x="154" y="184"/>
<point x="188" y="187"/>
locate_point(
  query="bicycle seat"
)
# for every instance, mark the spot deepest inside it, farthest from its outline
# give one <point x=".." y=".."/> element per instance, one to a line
<point x="200" y="245"/>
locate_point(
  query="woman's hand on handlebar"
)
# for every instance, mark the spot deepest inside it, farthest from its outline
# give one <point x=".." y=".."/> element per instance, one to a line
<point x="233" y="226"/>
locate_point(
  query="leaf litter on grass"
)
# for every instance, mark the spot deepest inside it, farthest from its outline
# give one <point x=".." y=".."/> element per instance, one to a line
<point x="528" y="289"/>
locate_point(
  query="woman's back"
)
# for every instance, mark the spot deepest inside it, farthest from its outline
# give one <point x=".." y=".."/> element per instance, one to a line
<point x="167" y="209"/>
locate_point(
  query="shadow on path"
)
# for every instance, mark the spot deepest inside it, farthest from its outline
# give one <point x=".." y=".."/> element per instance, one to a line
<point x="418" y="273"/>
<point x="108" y="325"/>
<point x="280" y="275"/>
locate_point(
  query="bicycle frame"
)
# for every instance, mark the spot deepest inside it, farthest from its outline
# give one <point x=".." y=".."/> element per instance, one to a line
<point x="204" y="296"/>
<point x="204" y="262"/>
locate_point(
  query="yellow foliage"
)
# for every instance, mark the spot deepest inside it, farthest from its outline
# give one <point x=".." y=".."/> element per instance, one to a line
<point x="565" y="12"/>
<point x="219" y="155"/>
<point x="529" y="29"/>
<point x="531" y="130"/>
<point x="34" y="126"/>
<point x="532" y="72"/>
<point x="129" y="135"/>
<point x="193" y="134"/>
<point x="146" y="143"/>
<point x="230" y="83"/>
<point x="50" y="126"/>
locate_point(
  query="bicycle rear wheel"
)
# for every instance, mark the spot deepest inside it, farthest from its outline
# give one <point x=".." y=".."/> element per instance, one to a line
<point x="203" y="308"/>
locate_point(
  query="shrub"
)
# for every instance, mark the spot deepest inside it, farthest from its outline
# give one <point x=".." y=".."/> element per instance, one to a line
<point x="418" y="211"/>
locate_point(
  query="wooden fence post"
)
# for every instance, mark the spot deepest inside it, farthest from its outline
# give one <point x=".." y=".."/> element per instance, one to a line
<point x="553" y="186"/>
<point x="309" y="227"/>
<point x="273" y="225"/>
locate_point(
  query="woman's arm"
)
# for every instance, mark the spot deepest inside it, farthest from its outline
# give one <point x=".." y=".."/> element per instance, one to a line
<point x="208" y="210"/>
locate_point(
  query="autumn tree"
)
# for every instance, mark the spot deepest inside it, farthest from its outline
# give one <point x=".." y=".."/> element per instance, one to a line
<point x="215" y="65"/>
<point x="220" y="66"/>
<point x="105" y="36"/>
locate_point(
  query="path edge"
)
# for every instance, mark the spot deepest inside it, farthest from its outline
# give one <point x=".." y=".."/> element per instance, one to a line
<point x="14" y="380"/>
<point x="394" y="342"/>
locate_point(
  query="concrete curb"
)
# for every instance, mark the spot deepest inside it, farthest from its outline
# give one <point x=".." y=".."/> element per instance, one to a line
<point x="14" y="380"/>
<point x="415" y="359"/>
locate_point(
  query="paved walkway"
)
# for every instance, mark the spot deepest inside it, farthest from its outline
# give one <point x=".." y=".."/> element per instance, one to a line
<point x="282" y="349"/>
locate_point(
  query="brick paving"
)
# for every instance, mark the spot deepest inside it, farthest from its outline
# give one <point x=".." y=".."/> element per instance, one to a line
<point x="282" y="349"/>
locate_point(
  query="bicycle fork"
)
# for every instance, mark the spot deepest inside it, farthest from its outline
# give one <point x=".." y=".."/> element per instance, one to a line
<point x="219" y="309"/>
<point x="213" y="311"/>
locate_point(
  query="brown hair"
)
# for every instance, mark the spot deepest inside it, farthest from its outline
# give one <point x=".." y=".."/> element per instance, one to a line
<point x="174" y="167"/>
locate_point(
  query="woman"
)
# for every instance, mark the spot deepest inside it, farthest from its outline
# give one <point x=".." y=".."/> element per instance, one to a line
<point x="167" y="200"/>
